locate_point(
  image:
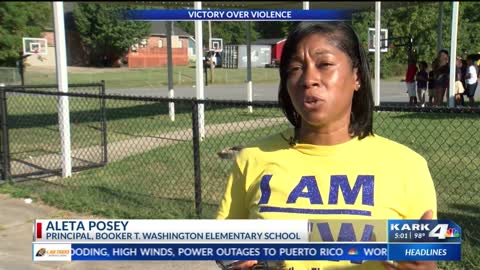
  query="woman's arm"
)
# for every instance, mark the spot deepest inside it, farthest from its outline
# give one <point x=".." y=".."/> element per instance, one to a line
<point x="233" y="205"/>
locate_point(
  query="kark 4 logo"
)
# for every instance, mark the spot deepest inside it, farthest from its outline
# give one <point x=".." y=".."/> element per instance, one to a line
<point x="442" y="231"/>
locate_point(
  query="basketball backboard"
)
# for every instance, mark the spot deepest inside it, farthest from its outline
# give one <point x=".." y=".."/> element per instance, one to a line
<point x="383" y="40"/>
<point x="37" y="46"/>
<point x="216" y="44"/>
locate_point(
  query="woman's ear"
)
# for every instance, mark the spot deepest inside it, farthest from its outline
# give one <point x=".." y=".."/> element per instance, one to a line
<point x="356" y="79"/>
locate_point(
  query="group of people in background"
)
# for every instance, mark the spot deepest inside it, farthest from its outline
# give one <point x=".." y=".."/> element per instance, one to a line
<point x="435" y="80"/>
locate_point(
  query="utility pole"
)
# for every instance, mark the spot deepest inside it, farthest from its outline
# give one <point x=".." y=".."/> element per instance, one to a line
<point x="212" y="65"/>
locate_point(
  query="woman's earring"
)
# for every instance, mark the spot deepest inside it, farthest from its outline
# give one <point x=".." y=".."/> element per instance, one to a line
<point x="357" y="86"/>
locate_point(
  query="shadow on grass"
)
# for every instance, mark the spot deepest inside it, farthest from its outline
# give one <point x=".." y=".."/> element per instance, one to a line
<point x="468" y="222"/>
<point x="472" y="209"/>
<point x="86" y="116"/>
<point x="107" y="201"/>
<point x="468" y="218"/>
<point x="150" y="109"/>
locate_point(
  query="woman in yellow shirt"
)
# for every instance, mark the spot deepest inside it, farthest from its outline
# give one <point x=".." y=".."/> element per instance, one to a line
<point x="330" y="165"/>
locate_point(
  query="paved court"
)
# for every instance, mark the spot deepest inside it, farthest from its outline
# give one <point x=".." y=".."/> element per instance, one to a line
<point x="16" y="224"/>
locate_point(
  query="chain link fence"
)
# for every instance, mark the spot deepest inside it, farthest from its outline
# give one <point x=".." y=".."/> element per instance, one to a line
<point x="10" y="75"/>
<point x="159" y="168"/>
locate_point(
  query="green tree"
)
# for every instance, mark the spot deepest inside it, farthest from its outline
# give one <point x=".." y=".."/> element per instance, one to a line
<point x="271" y="29"/>
<point x="234" y="32"/>
<point x="18" y="20"/>
<point x="104" y="34"/>
<point x="468" y="28"/>
<point x="230" y="32"/>
<point x="420" y="21"/>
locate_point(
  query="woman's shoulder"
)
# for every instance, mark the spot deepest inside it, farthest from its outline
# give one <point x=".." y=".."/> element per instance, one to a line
<point x="266" y="145"/>
<point x="384" y="147"/>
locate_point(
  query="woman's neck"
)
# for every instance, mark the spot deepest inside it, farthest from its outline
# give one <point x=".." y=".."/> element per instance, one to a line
<point x="322" y="136"/>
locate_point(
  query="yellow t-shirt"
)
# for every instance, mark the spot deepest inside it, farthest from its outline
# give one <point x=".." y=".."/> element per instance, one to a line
<point x="373" y="178"/>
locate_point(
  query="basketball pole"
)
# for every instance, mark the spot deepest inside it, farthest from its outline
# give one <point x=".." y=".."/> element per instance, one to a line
<point x="21" y="66"/>
<point x="62" y="81"/>
<point x="249" y="68"/>
<point x="306" y="5"/>
<point x="199" y="71"/>
<point x="171" y="91"/>
<point x="376" y="96"/>
<point x="453" y="54"/>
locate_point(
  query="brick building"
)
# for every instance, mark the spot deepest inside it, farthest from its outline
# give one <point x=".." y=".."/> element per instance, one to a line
<point x="152" y="51"/>
<point x="149" y="52"/>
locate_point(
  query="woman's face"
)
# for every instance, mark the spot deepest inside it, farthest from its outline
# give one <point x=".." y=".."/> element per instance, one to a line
<point x="321" y="82"/>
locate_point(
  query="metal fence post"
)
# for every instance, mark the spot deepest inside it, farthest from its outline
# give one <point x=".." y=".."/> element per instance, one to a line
<point x="103" y="110"/>
<point x="4" y="127"/>
<point x="196" y="159"/>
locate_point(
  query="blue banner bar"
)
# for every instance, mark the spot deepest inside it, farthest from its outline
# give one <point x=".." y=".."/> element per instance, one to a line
<point x="427" y="252"/>
<point x="238" y="15"/>
<point x="356" y="252"/>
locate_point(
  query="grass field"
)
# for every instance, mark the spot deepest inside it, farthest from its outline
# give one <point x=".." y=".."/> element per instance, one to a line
<point x="450" y="145"/>
<point x="159" y="183"/>
<point x="120" y="78"/>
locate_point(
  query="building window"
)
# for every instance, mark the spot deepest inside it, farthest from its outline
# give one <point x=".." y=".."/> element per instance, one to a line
<point x="160" y="43"/>
<point x="176" y="42"/>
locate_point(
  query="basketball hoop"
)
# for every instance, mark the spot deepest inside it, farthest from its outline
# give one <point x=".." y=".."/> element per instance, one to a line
<point x="216" y="44"/>
<point x="36" y="46"/>
<point x="383" y="40"/>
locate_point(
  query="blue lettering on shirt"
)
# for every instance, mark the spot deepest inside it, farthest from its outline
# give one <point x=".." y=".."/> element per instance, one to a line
<point x="307" y="187"/>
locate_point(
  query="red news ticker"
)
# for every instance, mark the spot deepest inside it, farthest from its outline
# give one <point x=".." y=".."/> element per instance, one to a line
<point x="39" y="230"/>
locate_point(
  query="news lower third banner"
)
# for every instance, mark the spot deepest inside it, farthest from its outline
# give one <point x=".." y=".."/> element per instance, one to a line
<point x="350" y="240"/>
<point x="237" y="15"/>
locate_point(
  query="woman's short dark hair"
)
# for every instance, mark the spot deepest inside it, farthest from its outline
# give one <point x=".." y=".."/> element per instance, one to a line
<point x="443" y="51"/>
<point x="348" y="42"/>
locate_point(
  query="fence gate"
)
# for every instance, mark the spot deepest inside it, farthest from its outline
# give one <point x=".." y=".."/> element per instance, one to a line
<point x="30" y="137"/>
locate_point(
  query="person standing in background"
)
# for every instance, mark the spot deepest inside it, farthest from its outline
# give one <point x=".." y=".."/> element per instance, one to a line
<point x="441" y="71"/>
<point x="459" y="87"/>
<point x="410" y="78"/>
<point x="422" y="79"/>
<point x="431" y="85"/>
<point x="471" y="80"/>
